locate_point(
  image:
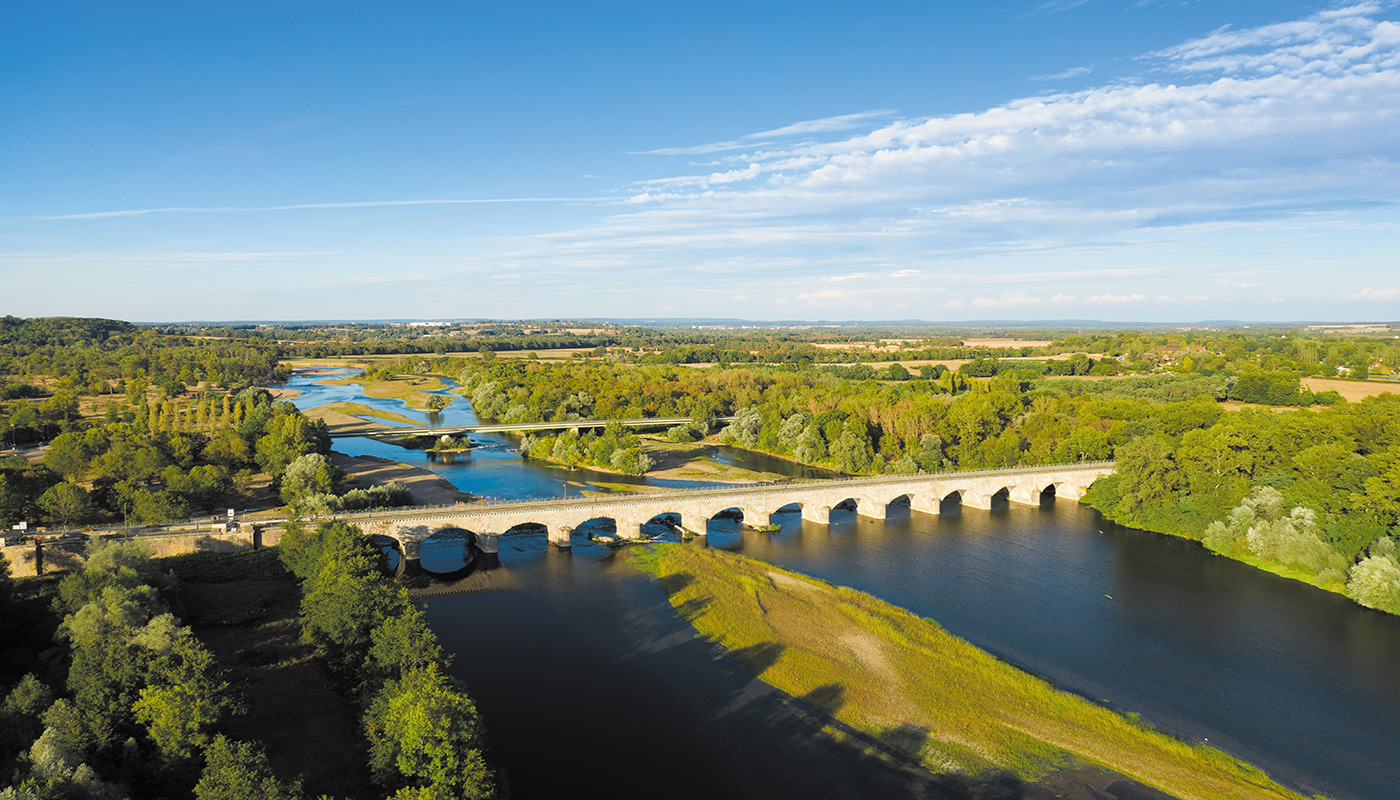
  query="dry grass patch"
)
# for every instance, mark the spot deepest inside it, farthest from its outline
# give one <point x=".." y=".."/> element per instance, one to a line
<point x="931" y="696"/>
<point x="335" y="413"/>
<point x="412" y="389"/>
<point x="1009" y="343"/>
<point x="1352" y="390"/>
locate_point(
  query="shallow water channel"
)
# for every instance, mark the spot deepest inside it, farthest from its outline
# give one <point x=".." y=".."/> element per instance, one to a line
<point x="586" y="677"/>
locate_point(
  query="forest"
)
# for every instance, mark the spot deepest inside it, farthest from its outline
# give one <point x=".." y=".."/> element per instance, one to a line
<point x="107" y="693"/>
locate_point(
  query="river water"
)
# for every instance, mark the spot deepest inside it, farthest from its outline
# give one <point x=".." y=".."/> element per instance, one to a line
<point x="586" y="677"/>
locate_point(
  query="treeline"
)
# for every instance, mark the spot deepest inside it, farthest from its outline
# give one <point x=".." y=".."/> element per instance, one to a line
<point x="424" y="735"/>
<point x="1315" y="495"/>
<point x="96" y="357"/>
<point x="129" y="702"/>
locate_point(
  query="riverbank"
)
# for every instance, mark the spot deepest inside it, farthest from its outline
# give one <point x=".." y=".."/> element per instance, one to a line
<point x="428" y="488"/>
<point x="1096" y="501"/>
<point x="924" y="694"/>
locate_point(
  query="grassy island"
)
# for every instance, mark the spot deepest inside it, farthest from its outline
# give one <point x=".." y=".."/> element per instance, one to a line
<point x="921" y="692"/>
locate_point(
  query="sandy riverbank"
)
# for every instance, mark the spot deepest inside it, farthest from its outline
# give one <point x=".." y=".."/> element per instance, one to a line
<point x="428" y="488"/>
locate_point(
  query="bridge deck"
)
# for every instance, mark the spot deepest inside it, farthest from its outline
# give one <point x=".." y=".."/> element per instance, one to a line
<point x="486" y="507"/>
<point x="506" y="427"/>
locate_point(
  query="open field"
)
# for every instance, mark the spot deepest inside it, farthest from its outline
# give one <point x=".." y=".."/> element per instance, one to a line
<point x="923" y="693"/>
<point x="1352" y="390"/>
<point x="555" y="354"/>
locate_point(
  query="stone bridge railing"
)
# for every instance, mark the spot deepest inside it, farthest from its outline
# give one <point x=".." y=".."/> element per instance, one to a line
<point x="410" y="527"/>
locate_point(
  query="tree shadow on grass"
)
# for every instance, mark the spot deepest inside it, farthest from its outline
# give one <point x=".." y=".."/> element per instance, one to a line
<point x="692" y="608"/>
<point x="828" y="698"/>
<point x="906" y="739"/>
<point x="759" y="657"/>
<point x="670" y="584"/>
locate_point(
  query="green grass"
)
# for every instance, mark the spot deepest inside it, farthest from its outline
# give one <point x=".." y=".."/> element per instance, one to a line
<point x="920" y="691"/>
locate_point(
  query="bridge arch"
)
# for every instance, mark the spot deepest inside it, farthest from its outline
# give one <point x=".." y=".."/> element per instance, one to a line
<point x="446" y="551"/>
<point x="392" y="549"/>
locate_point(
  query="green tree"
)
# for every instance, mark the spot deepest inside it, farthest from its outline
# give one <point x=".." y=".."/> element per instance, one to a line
<point x="236" y="770"/>
<point x="64" y="503"/>
<point x="404" y="642"/>
<point x="347" y="597"/>
<point x="426" y="732"/>
<point x="310" y="474"/>
<point x="185" y="693"/>
<point x="1375" y="580"/>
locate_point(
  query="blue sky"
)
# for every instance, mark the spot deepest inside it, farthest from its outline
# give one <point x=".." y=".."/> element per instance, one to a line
<point x="1119" y="160"/>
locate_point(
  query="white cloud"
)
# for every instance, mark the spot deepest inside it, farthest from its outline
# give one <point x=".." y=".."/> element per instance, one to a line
<point x="840" y="122"/>
<point x="1376" y="294"/>
<point x="1116" y="298"/>
<point x="1072" y="72"/>
<point x="140" y="212"/>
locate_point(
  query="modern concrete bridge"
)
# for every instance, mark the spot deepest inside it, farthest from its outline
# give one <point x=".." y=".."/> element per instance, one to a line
<point x="515" y="427"/>
<point x="925" y="493"/>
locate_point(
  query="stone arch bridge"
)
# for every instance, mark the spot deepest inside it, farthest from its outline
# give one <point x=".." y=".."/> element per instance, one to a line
<point x="925" y="493"/>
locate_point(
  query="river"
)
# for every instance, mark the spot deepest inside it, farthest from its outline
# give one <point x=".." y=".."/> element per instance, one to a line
<point x="586" y="677"/>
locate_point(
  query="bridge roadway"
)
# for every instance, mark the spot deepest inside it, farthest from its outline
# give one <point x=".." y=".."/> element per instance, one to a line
<point x="409" y="527"/>
<point x="506" y="427"/>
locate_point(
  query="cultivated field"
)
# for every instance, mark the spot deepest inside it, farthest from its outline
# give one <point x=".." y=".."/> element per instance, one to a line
<point x="1352" y="390"/>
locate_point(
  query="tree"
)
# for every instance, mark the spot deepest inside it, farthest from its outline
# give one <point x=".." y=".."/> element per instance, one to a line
<point x="426" y="731"/>
<point x="402" y="643"/>
<point x="185" y="693"/>
<point x="68" y="455"/>
<point x="310" y="474"/>
<point x="347" y="596"/>
<point x="1375" y="580"/>
<point x="64" y="502"/>
<point x="743" y="431"/>
<point x="236" y="770"/>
